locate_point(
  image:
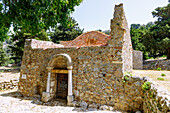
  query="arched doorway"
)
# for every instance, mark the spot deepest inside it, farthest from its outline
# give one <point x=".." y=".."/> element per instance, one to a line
<point x="59" y="81"/>
<point x="60" y="74"/>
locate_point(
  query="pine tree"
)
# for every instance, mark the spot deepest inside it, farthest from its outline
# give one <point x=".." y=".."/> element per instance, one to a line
<point x="3" y="56"/>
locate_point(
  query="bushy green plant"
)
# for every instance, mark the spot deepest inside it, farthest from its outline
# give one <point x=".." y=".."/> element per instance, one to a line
<point x="164" y="56"/>
<point x="145" y="55"/>
<point x="159" y="69"/>
<point x="146" y="86"/>
<point x="163" y="74"/>
<point x="160" y="78"/>
<point x="2" y="71"/>
<point x="127" y="76"/>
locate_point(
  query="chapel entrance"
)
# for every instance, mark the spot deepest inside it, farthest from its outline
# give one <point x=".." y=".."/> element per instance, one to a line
<point x="59" y="81"/>
<point x="62" y="85"/>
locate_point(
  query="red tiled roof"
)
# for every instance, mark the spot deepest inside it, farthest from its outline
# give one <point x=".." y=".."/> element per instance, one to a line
<point x="92" y="38"/>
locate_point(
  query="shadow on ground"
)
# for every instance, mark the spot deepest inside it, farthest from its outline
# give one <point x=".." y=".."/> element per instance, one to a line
<point x="37" y="101"/>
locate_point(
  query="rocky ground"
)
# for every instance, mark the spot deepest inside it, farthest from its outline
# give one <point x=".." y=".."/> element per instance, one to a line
<point x="12" y="102"/>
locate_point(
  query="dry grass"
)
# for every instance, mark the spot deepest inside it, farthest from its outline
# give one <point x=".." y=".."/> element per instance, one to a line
<point x="154" y="75"/>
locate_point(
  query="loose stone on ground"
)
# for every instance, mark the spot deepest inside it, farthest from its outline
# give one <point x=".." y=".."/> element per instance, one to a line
<point x="12" y="102"/>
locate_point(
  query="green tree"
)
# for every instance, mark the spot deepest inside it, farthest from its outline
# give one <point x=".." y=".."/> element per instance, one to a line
<point x="19" y="40"/>
<point x="61" y="33"/>
<point x="135" y="26"/>
<point x="34" y="15"/>
<point x="136" y="36"/>
<point x="157" y="38"/>
<point x="3" y="56"/>
<point x="137" y="33"/>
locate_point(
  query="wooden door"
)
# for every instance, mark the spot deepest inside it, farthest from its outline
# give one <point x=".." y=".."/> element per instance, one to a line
<point x="62" y="86"/>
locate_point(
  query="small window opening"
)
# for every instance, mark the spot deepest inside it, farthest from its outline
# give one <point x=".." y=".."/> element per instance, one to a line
<point x="91" y="41"/>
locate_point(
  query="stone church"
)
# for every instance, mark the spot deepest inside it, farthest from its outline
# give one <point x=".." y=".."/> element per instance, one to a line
<point x="89" y="68"/>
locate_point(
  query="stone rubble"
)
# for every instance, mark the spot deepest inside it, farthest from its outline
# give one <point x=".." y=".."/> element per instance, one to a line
<point x="156" y="99"/>
<point x="154" y="64"/>
<point x="8" y="85"/>
<point x="13" y="102"/>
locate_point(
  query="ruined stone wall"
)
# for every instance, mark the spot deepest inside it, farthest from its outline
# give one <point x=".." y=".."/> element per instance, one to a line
<point x="6" y="85"/>
<point x="154" y="64"/>
<point x="156" y="99"/>
<point x="137" y="59"/>
<point x="120" y="38"/>
<point x="44" y="44"/>
<point x="97" y="70"/>
<point x="97" y="76"/>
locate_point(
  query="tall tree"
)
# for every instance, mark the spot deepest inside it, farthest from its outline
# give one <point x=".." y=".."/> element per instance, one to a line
<point x="157" y="39"/>
<point x="135" y="26"/>
<point x="3" y="27"/>
<point x="136" y="35"/>
<point x="34" y="15"/>
<point x="19" y="39"/>
<point x="61" y="33"/>
<point x="3" y="56"/>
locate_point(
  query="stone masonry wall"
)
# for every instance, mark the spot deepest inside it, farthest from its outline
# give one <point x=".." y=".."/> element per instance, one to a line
<point x="97" y="73"/>
<point x="96" y="79"/>
<point x="151" y="65"/>
<point x="44" y="44"/>
<point x="137" y="59"/>
<point x="120" y="38"/>
<point x="6" y="85"/>
<point x="156" y="99"/>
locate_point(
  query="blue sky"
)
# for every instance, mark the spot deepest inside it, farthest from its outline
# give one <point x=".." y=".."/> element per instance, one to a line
<point x="96" y="14"/>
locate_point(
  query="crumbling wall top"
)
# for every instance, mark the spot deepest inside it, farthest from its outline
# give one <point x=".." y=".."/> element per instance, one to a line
<point x="35" y="44"/>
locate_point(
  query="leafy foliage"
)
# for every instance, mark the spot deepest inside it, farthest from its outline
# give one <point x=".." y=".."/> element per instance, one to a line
<point x="3" y="56"/>
<point x="4" y="27"/>
<point x="157" y="38"/>
<point x="136" y="35"/>
<point x="160" y="78"/>
<point x="153" y="38"/>
<point x="34" y="15"/>
<point x="127" y="76"/>
<point x="146" y="86"/>
<point x="19" y="40"/>
<point x="159" y="69"/>
<point x="163" y="74"/>
<point x="62" y="33"/>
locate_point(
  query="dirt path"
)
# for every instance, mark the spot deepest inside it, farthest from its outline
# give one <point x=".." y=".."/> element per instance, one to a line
<point x="153" y="74"/>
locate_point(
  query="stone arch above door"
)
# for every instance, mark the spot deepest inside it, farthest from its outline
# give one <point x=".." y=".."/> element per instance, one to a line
<point x="54" y="58"/>
<point x="51" y="65"/>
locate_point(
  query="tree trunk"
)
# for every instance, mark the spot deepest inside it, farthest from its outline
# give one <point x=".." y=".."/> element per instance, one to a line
<point x="168" y="54"/>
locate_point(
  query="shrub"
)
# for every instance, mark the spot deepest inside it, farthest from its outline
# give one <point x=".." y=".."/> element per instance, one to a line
<point x="127" y="76"/>
<point x="2" y="71"/>
<point x="163" y="74"/>
<point x="160" y="78"/>
<point x="164" y="56"/>
<point x="146" y="86"/>
<point x="159" y="69"/>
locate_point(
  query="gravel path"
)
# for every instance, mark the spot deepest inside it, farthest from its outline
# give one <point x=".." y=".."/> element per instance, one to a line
<point x="12" y="102"/>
